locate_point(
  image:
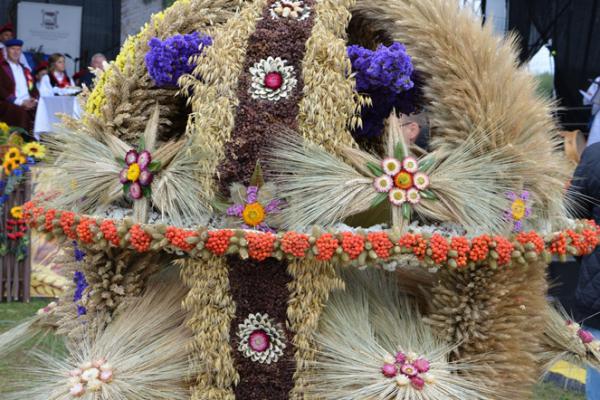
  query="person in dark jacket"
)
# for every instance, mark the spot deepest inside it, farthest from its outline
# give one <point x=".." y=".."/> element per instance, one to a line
<point x="586" y="186"/>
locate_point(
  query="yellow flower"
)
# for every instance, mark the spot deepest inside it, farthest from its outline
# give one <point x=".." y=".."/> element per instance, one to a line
<point x="133" y="173"/>
<point x="12" y="153"/>
<point x="8" y="165"/>
<point x="19" y="161"/>
<point x="253" y="214"/>
<point x="17" y="212"/>
<point x="4" y="127"/>
<point x="35" y="149"/>
<point x="518" y="209"/>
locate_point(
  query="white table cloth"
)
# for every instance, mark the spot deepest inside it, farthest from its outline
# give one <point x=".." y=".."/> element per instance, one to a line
<point x="48" y="107"/>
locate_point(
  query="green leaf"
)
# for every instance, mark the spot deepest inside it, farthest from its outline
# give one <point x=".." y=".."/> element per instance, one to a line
<point x="257" y="177"/>
<point x="155" y="166"/>
<point x="380" y="198"/>
<point x="147" y="191"/>
<point x="375" y="169"/>
<point x="121" y="161"/>
<point x="400" y="151"/>
<point x="425" y="166"/>
<point x="126" y="188"/>
<point x="141" y="145"/>
<point x="428" y="195"/>
<point x="406" y="211"/>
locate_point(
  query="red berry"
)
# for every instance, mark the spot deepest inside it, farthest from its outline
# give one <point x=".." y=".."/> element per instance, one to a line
<point x="273" y="80"/>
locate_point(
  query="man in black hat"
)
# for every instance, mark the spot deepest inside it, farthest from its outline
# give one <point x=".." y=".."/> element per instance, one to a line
<point x="18" y="95"/>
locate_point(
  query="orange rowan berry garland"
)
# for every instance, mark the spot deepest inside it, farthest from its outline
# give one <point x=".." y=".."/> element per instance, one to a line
<point x="352" y="244"/>
<point x="139" y="239"/>
<point x="295" y="244"/>
<point x="327" y="245"/>
<point x="439" y="247"/>
<point x="218" y="241"/>
<point x="50" y="215"/>
<point x="461" y="246"/>
<point x="381" y="244"/>
<point x="260" y="245"/>
<point x="177" y="237"/>
<point x="109" y="230"/>
<point x="83" y="230"/>
<point x="480" y="248"/>
<point x="67" y="219"/>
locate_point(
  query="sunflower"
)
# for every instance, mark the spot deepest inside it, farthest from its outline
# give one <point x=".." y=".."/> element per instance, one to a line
<point x="17" y="212"/>
<point x="35" y="149"/>
<point x="12" y="153"/>
<point x="4" y="127"/>
<point x="9" y="166"/>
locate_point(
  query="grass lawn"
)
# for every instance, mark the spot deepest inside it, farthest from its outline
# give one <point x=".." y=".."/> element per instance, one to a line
<point x="11" y="314"/>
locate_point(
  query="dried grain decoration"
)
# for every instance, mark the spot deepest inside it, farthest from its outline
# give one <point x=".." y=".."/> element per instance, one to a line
<point x="87" y="169"/>
<point x="370" y="322"/>
<point x="310" y="289"/>
<point x="123" y="99"/>
<point x="330" y="106"/>
<point x="213" y="85"/>
<point x="486" y="311"/>
<point x="210" y="309"/>
<point x="563" y="340"/>
<point x="146" y="346"/>
<point x="474" y="87"/>
<point x="323" y="189"/>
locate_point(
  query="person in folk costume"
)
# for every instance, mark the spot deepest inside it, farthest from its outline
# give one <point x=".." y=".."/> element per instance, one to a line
<point x="40" y="71"/>
<point x="56" y="77"/>
<point x="18" y="95"/>
<point x="7" y="32"/>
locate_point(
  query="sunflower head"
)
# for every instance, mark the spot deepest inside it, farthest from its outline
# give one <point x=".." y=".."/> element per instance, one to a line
<point x="8" y="165"/>
<point x="35" y="149"/>
<point x="12" y="153"/>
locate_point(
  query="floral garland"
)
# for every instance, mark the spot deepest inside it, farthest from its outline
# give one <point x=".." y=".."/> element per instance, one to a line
<point x="455" y="253"/>
<point x="16" y="162"/>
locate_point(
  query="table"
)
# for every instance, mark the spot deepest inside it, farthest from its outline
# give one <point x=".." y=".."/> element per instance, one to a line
<point x="48" y="107"/>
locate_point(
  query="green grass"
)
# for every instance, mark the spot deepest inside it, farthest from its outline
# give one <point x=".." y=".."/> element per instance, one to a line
<point x="11" y="314"/>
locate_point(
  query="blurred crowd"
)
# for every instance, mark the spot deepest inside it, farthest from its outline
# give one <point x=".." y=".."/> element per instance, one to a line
<point x="23" y="79"/>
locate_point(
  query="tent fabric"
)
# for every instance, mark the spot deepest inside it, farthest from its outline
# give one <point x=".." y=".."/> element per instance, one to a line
<point x="573" y="26"/>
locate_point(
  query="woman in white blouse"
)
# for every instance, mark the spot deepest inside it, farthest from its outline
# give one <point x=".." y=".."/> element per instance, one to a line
<point x="56" y="77"/>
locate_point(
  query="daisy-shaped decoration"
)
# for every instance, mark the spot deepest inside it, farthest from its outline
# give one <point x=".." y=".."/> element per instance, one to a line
<point x="290" y="9"/>
<point x="255" y="207"/>
<point x="520" y="209"/>
<point x="261" y="339"/>
<point x="34" y="149"/>
<point x="408" y="368"/>
<point x="138" y="173"/>
<point x="90" y="377"/>
<point x="402" y="180"/>
<point x="272" y="79"/>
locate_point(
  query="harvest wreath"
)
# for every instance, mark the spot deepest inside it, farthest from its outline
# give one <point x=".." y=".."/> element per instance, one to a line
<point x="211" y="196"/>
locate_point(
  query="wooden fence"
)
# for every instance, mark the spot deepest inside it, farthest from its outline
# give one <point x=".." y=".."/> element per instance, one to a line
<point x="15" y="276"/>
